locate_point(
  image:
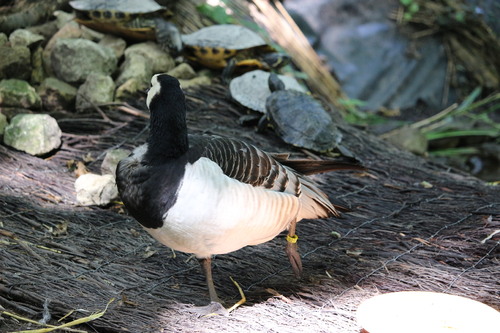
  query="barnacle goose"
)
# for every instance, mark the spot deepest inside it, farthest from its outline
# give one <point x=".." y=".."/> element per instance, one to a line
<point x="210" y="195"/>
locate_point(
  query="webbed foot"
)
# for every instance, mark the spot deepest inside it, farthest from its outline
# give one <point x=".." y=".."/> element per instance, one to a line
<point x="212" y="309"/>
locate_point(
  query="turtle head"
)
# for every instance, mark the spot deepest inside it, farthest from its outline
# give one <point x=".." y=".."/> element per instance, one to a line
<point x="275" y="83"/>
<point x="275" y="59"/>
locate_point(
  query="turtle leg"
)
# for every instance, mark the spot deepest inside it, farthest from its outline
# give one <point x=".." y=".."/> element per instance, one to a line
<point x="292" y="252"/>
<point x="168" y="36"/>
<point x="263" y="124"/>
<point x="228" y="71"/>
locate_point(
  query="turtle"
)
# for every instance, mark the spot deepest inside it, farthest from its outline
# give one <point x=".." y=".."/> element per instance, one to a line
<point x="299" y="119"/>
<point x="130" y="19"/>
<point x="251" y="90"/>
<point x="231" y="47"/>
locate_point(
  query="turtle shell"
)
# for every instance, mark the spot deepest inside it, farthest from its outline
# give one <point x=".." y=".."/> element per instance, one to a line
<point x="123" y="6"/>
<point x="301" y="121"/>
<point x="214" y="45"/>
<point x="128" y="18"/>
<point x="251" y="89"/>
<point x="226" y="36"/>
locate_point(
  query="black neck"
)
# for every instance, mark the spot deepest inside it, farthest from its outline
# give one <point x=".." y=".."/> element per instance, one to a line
<point x="168" y="131"/>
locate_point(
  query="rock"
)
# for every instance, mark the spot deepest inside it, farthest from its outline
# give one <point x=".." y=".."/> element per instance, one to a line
<point x="92" y="189"/>
<point x="15" y="62"/>
<point x="20" y="14"/>
<point x="37" y="71"/>
<point x="65" y="21"/>
<point x="56" y="94"/>
<point x="408" y="138"/>
<point x="66" y="28"/>
<point x="3" y="123"/>
<point x="26" y="38"/>
<point x="183" y="71"/>
<point x="69" y="30"/>
<point x="63" y="18"/>
<point x="136" y="67"/>
<point x="108" y="166"/>
<point x="160" y="60"/>
<point x="74" y="59"/>
<point x="187" y="76"/>
<point x="117" y="44"/>
<point x="97" y="89"/>
<point x="3" y="39"/>
<point x="19" y="93"/>
<point x="46" y="30"/>
<point x="36" y="134"/>
<point x="197" y="81"/>
<point x="129" y="89"/>
<point x="11" y="112"/>
<point x="23" y="37"/>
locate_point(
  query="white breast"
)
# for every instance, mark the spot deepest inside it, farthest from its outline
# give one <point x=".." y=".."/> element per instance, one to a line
<point x="216" y="214"/>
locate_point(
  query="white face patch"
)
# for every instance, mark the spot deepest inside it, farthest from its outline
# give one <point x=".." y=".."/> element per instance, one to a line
<point x="154" y="90"/>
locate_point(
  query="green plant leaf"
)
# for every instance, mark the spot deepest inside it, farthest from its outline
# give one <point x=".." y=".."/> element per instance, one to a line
<point x="413" y="8"/>
<point x="215" y="13"/>
<point x="462" y="133"/>
<point x="454" y="151"/>
<point x="469" y="99"/>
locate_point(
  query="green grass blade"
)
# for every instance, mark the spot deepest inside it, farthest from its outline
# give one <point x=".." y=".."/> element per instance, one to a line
<point x="454" y="152"/>
<point x="462" y="133"/>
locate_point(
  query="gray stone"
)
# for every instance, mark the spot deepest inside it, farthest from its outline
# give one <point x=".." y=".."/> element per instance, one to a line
<point x="136" y="67"/>
<point x="117" y="44"/>
<point x="36" y="134"/>
<point x="19" y="93"/>
<point x="56" y="94"/>
<point x="129" y="89"/>
<point x="15" y="62"/>
<point x="11" y="112"/>
<point x="70" y="30"/>
<point x="3" y="123"/>
<point x="183" y="71"/>
<point x="23" y="37"/>
<point x="3" y="39"/>
<point x="108" y="166"/>
<point x="160" y="60"/>
<point x="37" y="71"/>
<point x="63" y="18"/>
<point x="97" y="89"/>
<point x="47" y="29"/>
<point x="67" y="25"/>
<point x="73" y="59"/>
<point x="196" y="81"/>
<point x="33" y="41"/>
<point x="92" y="189"/>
